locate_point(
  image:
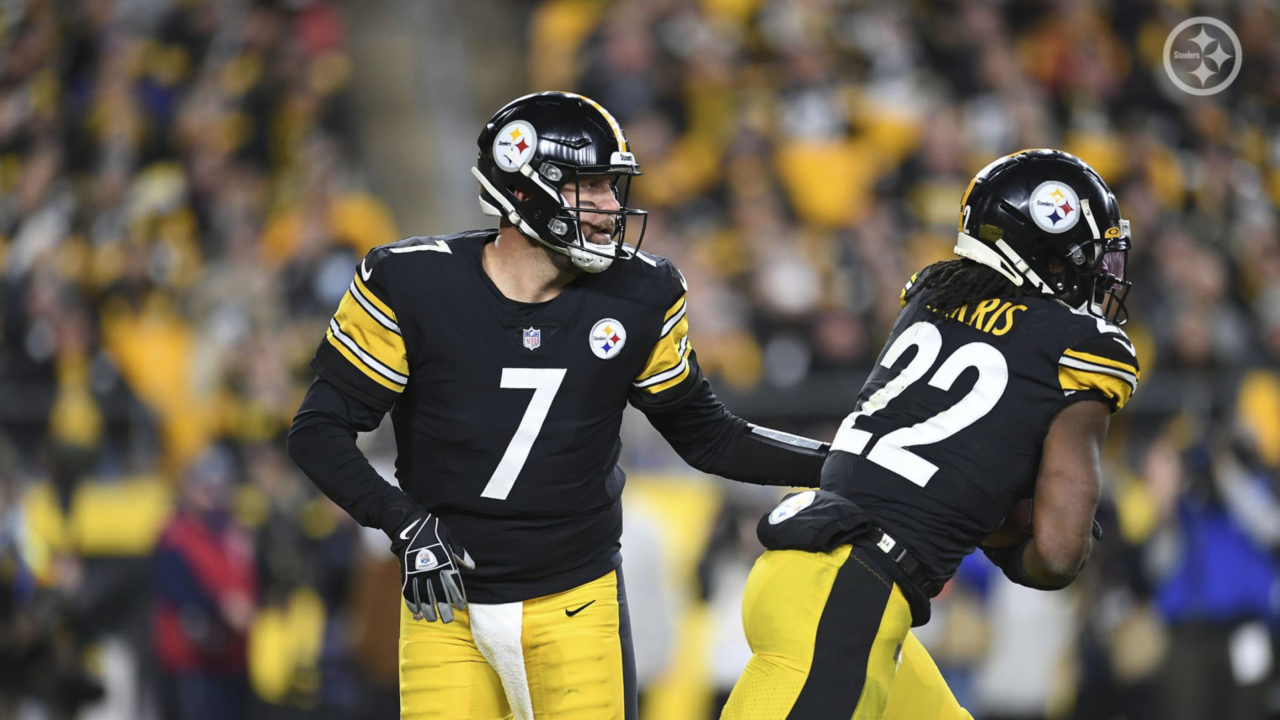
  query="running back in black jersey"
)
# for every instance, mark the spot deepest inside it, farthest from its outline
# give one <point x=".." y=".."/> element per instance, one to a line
<point x="947" y="431"/>
<point x="507" y="413"/>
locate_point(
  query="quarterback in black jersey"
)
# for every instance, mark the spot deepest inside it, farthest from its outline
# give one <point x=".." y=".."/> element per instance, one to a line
<point x="506" y="358"/>
<point x="996" y="384"/>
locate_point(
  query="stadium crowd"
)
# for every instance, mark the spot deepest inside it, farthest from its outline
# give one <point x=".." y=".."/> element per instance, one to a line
<point x="182" y="204"/>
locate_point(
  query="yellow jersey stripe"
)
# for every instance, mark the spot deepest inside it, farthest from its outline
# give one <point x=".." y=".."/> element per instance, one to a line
<point x="669" y="378"/>
<point x="360" y="365"/>
<point x="673" y="320"/>
<point x="667" y="353"/>
<point x="366" y="303"/>
<point x="374" y="299"/>
<point x="617" y="129"/>
<point x="1099" y="370"/>
<point x="1113" y="387"/>
<point x="1100" y="360"/>
<point x="679" y="368"/>
<point x="373" y="337"/>
<point x="678" y="306"/>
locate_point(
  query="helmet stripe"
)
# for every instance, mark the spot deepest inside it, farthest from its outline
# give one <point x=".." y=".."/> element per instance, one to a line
<point x="617" y="129"/>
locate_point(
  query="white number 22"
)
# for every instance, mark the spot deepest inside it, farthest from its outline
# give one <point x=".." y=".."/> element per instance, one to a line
<point x="544" y="382"/>
<point x="891" y="451"/>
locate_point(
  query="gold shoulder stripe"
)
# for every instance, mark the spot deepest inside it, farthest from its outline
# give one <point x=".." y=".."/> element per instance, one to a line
<point x="1083" y="366"/>
<point x="655" y="384"/>
<point x="1119" y="391"/>
<point x="384" y="344"/>
<point x="1100" y="360"/>
<point x="352" y="356"/>
<point x="368" y="304"/>
<point x="374" y="299"/>
<point x="676" y="307"/>
<point x="672" y="320"/>
<point x="667" y="353"/>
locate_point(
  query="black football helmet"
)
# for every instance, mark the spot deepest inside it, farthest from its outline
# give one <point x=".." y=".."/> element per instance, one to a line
<point x="1044" y="218"/>
<point x="536" y="145"/>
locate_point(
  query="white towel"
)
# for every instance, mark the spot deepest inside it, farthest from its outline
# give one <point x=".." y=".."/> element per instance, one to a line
<point x="496" y="629"/>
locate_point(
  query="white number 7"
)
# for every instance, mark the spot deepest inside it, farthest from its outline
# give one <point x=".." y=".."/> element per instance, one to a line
<point x="544" y="382"/>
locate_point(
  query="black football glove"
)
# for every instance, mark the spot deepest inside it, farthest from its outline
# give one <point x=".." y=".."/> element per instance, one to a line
<point x="429" y="560"/>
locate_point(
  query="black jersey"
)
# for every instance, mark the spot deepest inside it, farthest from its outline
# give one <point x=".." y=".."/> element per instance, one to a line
<point x="947" y="432"/>
<point x="506" y="414"/>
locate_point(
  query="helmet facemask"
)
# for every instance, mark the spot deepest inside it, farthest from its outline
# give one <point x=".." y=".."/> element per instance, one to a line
<point x="1091" y="276"/>
<point x="565" y="227"/>
<point x="1110" y="283"/>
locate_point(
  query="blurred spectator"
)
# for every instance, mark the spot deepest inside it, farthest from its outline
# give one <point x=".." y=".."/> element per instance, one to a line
<point x="41" y="640"/>
<point x="1217" y="584"/>
<point x="182" y="198"/>
<point x="205" y="593"/>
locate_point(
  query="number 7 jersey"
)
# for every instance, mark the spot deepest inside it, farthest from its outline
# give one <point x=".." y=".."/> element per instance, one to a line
<point x="506" y="414"/>
<point x="947" y="431"/>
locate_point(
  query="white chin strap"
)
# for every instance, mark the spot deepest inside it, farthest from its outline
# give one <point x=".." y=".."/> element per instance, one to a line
<point x="589" y="261"/>
<point x="1002" y="258"/>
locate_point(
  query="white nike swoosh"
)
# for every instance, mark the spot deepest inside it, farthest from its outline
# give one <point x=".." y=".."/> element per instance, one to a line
<point x="404" y="534"/>
<point x="365" y="272"/>
<point x="1125" y="344"/>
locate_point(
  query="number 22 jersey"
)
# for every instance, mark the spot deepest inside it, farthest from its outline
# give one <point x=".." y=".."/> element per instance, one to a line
<point x="947" y="431"/>
<point x="506" y="414"/>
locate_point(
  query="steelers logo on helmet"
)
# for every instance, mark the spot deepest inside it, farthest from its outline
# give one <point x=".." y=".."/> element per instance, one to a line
<point x="1055" y="207"/>
<point x="607" y="338"/>
<point x="514" y="145"/>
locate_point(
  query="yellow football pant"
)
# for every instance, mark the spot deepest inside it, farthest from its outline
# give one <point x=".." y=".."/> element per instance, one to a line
<point x="557" y="665"/>
<point x="830" y="637"/>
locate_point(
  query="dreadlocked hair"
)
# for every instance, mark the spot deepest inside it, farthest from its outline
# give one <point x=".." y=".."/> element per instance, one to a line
<point x="948" y="284"/>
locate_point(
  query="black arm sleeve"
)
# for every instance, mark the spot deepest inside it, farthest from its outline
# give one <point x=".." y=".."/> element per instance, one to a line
<point x="712" y="439"/>
<point x="322" y="441"/>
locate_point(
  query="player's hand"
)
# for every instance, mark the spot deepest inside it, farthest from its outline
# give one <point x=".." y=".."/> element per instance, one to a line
<point x="429" y="561"/>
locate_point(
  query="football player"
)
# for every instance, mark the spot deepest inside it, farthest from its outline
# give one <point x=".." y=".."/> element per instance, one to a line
<point x="506" y="358"/>
<point x="997" y="384"/>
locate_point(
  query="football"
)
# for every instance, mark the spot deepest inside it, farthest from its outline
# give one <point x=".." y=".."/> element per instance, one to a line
<point x="1015" y="529"/>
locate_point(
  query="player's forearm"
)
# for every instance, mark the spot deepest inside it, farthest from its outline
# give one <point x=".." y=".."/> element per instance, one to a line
<point x="322" y="441"/>
<point x="712" y="439"/>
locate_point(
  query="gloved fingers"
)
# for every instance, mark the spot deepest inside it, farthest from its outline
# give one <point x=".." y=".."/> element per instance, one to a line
<point x="446" y="612"/>
<point x="453" y="589"/>
<point x="415" y="604"/>
<point x="429" y="607"/>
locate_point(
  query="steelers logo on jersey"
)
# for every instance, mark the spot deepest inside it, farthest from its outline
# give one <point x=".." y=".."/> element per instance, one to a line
<point x="514" y="145"/>
<point x="1055" y="207"/>
<point x="607" y="338"/>
<point x="791" y="505"/>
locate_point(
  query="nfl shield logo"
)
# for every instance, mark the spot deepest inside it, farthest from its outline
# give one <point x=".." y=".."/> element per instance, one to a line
<point x="532" y="338"/>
